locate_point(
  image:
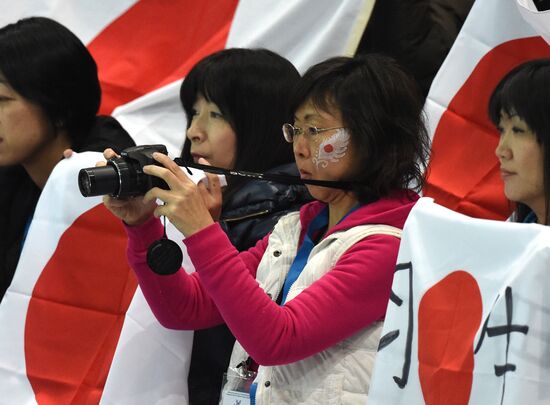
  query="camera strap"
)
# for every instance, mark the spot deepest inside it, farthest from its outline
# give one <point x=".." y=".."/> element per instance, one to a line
<point x="278" y="178"/>
<point x="164" y="256"/>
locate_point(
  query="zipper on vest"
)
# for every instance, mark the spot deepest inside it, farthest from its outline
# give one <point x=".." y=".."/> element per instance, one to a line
<point x="255" y="214"/>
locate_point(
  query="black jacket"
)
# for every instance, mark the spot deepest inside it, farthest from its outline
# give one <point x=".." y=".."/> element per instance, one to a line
<point x="252" y="212"/>
<point x="247" y="216"/>
<point x="418" y="34"/>
<point x="20" y="195"/>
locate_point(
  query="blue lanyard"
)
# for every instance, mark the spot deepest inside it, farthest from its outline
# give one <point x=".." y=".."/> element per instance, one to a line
<point x="530" y="218"/>
<point x="318" y="223"/>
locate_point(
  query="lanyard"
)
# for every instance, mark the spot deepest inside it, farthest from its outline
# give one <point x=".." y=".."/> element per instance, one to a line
<point x="531" y="218"/>
<point x="319" y="222"/>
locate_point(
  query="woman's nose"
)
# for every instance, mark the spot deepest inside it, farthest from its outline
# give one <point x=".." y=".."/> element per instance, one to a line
<point x="196" y="132"/>
<point x="503" y="151"/>
<point x="300" y="145"/>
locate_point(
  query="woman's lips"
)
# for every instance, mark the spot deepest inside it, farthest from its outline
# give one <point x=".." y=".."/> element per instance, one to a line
<point x="504" y="174"/>
<point x="196" y="157"/>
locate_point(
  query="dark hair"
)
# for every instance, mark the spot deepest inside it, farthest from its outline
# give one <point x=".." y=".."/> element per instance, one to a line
<point x="381" y="107"/>
<point x="524" y="92"/>
<point x="49" y="66"/>
<point x="251" y="87"/>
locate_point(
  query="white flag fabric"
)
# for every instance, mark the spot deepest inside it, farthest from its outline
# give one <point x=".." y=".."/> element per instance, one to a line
<point x="72" y="303"/>
<point x="468" y="319"/>
<point x="464" y="172"/>
<point x="305" y="32"/>
<point x="79" y="329"/>
<point x="539" y="20"/>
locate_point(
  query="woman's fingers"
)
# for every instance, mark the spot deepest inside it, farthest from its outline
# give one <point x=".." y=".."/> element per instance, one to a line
<point x="171" y="173"/>
<point x="169" y="164"/>
<point x="159" y="194"/>
<point x="211" y="193"/>
<point x="67" y="153"/>
<point x="212" y="181"/>
<point x="115" y="202"/>
<point x="109" y="153"/>
<point x="183" y="202"/>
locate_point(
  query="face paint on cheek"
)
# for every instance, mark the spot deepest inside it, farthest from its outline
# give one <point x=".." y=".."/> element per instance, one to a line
<point x="332" y="149"/>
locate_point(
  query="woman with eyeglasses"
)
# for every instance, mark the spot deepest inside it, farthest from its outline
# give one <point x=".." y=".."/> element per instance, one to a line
<point x="307" y="302"/>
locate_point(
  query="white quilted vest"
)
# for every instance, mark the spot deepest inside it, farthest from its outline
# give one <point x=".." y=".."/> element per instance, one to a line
<point x="340" y="374"/>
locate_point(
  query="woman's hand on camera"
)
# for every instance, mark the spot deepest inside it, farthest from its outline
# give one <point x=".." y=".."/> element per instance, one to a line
<point x="133" y="211"/>
<point x="67" y="153"/>
<point x="183" y="203"/>
<point x="211" y="192"/>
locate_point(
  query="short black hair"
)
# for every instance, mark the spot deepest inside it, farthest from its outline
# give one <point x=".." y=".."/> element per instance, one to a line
<point x="525" y="92"/>
<point x="48" y="65"/>
<point x="381" y="107"/>
<point x="251" y="87"/>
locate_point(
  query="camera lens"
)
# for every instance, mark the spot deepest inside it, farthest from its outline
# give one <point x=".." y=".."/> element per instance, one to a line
<point x="98" y="181"/>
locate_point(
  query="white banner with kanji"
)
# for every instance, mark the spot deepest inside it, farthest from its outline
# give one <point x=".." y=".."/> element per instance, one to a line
<point x="468" y="317"/>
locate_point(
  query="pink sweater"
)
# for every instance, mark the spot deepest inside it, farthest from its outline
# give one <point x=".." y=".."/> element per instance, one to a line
<point x="347" y="299"/>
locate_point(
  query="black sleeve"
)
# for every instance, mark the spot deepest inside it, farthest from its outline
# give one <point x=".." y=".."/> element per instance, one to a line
<point x="417" y="33"/>
<point x="106" y="133"/>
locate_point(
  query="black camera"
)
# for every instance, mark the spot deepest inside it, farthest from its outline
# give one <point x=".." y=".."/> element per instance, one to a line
<point x="123" y="176"/>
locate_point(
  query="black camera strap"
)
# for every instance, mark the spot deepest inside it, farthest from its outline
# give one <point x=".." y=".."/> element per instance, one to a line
<point x="164" y="256"/>
<point x="278" y="178"/>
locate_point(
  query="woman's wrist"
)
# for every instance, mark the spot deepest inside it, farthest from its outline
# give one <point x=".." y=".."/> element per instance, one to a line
<point x="140" y="236"/>
<point x="138" y="222"/>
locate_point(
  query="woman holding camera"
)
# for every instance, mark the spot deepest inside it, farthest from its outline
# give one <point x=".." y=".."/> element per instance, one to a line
<point x="236" y="101"/>
<point x="49" y="98"/>
<point x="306" y="302"/>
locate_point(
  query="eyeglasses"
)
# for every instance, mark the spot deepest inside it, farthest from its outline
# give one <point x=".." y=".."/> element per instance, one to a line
<point x="290" y="131"/>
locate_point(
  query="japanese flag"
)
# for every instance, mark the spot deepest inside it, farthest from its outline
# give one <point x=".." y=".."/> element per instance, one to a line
<point x="464" y="172"/>
<point x="75" y="327"/>
<point x="467" y="322"/>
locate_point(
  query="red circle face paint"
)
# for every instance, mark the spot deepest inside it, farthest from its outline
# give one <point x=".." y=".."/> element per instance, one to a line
<point x="332" y="148"/>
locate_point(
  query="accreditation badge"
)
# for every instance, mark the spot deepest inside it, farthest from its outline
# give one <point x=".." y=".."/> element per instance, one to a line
<point x="236" y="384"/>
